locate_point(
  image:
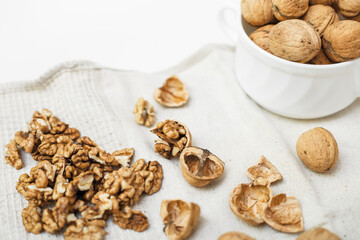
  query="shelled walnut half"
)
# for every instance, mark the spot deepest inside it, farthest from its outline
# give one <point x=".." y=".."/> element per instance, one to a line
<point x="200" y="167"/>
<point x="174" y="135"/>
<point x="179" y="217"/>
<point x="173" y="93"/>
<point x="144" y="113"/>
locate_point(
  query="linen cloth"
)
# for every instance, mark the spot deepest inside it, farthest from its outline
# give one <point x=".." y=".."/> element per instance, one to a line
<point x="221" y="117"/>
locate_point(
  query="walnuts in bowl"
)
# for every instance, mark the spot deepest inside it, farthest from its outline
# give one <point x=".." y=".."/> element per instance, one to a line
<point x="257" y="12"/>
<point x="289" y="9"/>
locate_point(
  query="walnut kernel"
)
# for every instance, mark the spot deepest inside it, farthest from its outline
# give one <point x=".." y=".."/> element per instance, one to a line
<point x="31" y="216"/>
<point x="131" y="219"/>
<point x="144" y="113"/>
<point x="173" y="93"/>
<point x="12" y="155"/>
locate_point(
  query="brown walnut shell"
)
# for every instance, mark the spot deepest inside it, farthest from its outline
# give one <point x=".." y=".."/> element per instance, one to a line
<point x="349" y="8"/>
<point x="317" y="149"/>
<point x="341" y="41"/>
<point x="235" y="236"/>
<point x="264" y="169"/>
<point x="200" y="167"/>
<point x="295" y="40"/>
<point x="261" y="37"/>
<point x="320" y="17"/>
<point x="323" y="2"/>
<point x="289" y="9"/>
<point x="173" y="93"/>
<point x="321" y="59"/>
<point x="318" y="234"/>
<point x="257" y="12"/>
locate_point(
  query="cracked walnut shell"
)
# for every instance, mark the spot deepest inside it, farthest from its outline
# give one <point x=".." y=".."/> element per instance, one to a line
<point x="295" y="40"/>
<point x="264" y="169"/>
<point x="174" y="135"/>
<point x="261" y="37"/>
<point x="284" y="214"/>
<point x="173" y="93"/>
<point x="144" y="113"/>
<point x="349" y="8"/>
<point x="235" y="236"/>
<point x="257" y="12"/>
<point x="341" y="41"/>
<point x="317" y="149"/>
<point x="200" y="167"/>
<point x="179" y="217"/>
<point x="289" y="9"/>
<point x="318" y="234"/>
<point x="320" y="17"/>
<point x="248" y="202"/>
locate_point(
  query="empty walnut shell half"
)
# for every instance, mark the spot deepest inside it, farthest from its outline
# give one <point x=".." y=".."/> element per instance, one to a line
<point x="284" y="214"/>
<point x="257" y="12"/>
<point x="172" y="94"/>
<point x="320" y="17"/>
<point x="261" y="37"/>
<point x="199" y="166"/>
<point x="264" y="169"/>
<point x="295" y="40"/>
<point x="318" y="234"/>
<point x="341" y="41"/>
<point x="289" y="9"/>
<point x="179" y="217"/>
<point x="318" y="149"/>
<point x="349" y="8"/>
<point x="248" y="202"/>
<point x="235" y="236"/>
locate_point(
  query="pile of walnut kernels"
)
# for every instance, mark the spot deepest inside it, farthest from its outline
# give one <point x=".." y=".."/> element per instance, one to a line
<point x="81" y="179"/>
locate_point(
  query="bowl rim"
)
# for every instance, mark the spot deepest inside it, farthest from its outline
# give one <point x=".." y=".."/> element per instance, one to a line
<point x="272" y="57"/>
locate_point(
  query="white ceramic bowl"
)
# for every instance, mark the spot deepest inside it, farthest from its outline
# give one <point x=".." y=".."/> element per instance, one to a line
<point x="287" y="88"/>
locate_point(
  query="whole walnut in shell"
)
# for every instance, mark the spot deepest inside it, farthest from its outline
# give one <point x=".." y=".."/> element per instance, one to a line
<point x="318" y="234"/>
<point x="349" y="8"/>
<point x="317" y="149"/>
<point x="289" y="9"/>
<point x="257" y="12"/>
<point x="321" y="59"/>
<point x="295" y="40"/>
<point x="261" y="37"/>
<point x="323" y="2"/>
<point x="320" y="17"/>
<point x="341" y="41"/>
<point x="235" y="236"/>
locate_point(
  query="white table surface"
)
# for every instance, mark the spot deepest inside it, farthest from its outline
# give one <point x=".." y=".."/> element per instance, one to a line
<point x="140" y="35"/>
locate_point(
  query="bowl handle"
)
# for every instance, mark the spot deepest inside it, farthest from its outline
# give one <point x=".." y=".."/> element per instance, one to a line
<point x="227" y="17"/>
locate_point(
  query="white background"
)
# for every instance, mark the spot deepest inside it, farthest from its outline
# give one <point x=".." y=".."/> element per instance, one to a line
<point x="143" y="35"/>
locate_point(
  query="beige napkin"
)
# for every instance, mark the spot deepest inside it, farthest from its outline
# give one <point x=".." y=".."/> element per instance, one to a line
<point x="99" y="102"/>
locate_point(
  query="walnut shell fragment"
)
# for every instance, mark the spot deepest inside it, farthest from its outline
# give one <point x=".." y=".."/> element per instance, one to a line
<point x="320" y="17"/>
<point x="321" y="59"/>
<point x="173" y="93"/>
<point x="318" y="149"/>
<point x="318" y="234"/>
<point x="284" y="214"/>
<point x="295" y="40"/>
<point x="289" y="9"/>
<point x="199" y="166"/>
<point x="144" y="113"/>
<point x="349" y="8"/>
<point x="257" y="12"/>
<point x="174" y="135"/>
<point x="248" y="202"/>
<point x="264" y="169"/>
<point x="235" y="236"/>
<point x="341" y="41"/>
<point x="179" y="217"/>
<point x="261" y="37"/>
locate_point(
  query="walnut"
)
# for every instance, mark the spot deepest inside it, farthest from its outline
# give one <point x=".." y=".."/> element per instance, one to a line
<point x="289" y="9"/>
<point x="82" y="182"/>
<point x="27" y="187"/>
<point x="81" y="158"/>
<point x="25" y="140"/>
<point x="71" y="172"/>
<point x="295" y="40"/>
<point x="321" y="59"/>
<point x="200" y="167"/>
<point x="48" y="145"/>
<point x="40" y="157"/>
<point x="41" y="121"/>
<point x="60" y="163"/>
<point x="317" y="149"/>
<point x="179" y="217"/>
<point x="144" y="113"/>
<point x="123" y="156"/>
<point x="318" y="234"/>
<point x="341" y="41"/>
<point x="85" y="230"/>
<point x="72" y="133"/>
<point x="349" y="8"/>
<point x="264" y="169"/>
<point x="31" y="217"/>
<point x="57" y="126"/>
<point x="131" y="219"/>
<point x="173" y="93"/>
<point x="320" y="17"/>
<point x="257" y="12"/>
<point x="235" y="236"/>
<point x="43" y="173"/>
<point x="174" y="134"/>
<point x="261" y="37"/>
<point x="86" y="142"/>
<point x="248" y="202"/>
<point x="102" y="157"/>
<point x="55" y="219"/>
<point x="66" y="146"/>
<point x="284" y="214"/>
<point x="324" y="2"/>
<point x="152" y="173"/>
<point x="102" y="202"/>
<point x="12" y="155"/>
<point x="60" y="187"/>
